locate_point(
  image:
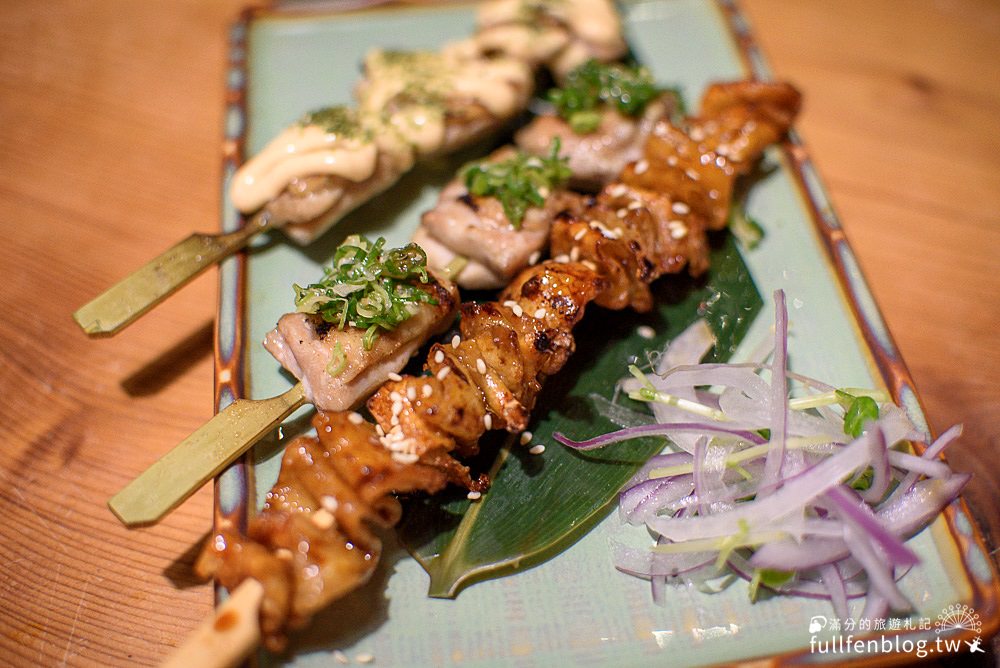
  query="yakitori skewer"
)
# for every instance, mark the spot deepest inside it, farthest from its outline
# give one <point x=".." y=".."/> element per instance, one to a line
<point x="409" y="105"/>
<point x="311" y="543"/>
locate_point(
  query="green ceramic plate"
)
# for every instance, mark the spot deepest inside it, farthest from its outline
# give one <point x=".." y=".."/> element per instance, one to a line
<point x="574" y="609"/>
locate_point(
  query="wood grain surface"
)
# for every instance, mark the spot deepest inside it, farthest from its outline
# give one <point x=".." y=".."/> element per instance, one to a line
<point x="110" y="126"/>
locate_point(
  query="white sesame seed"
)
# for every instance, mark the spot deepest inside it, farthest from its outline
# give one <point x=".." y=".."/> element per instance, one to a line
<point x="405" y="458"/>
<point x="621" y="213"/>
<point x="397" y="407"/>
<point x="380" y="430"/>
<point x="488" y="421"/>
<point x="561" y="259"/>
<point x="427" y="391"/>
<point x="539" y="314"/>
<point x="618" y="190"/>
<point x="456" y="341"/>
<point x="395" y="376"/>
<point x="678" y="231"/>
<point x="328" y="502"/>
<point x="580" y="234"/>
<point x="364" y="658"/>
<point x="535" y="257"/>
<point x="411" y="393"/>
<point x="672" y="161"/>
<point x="713" y="194"/>
<point x="510" y="303"/>
<point x="697" y="133"/>
<point x="634" y="204"/>
<point x="518" y="311"/>
<point x="474" y="496"/>
<point x="589" y="265"/>
<point x="395" y="396"/>
<point x="328" y="429"/>
<point x="691" y="174"/>
<point x="574" y="254"/>
<point x="443" y="373"/>
<point x="355" y="418"/>
<point x="645" y="331"/>
<point x="480" y="365"/>
<point x="323" y="519"/>
<point x="526" y="437"/>
<point x="439" y="356"/>
<point x="641" y="166"/>
<point x="537" y="449"/>
<point x="340" y="657"/>
<point x="680" y="208"/>
<point x="543" y="191"/>
<point x="394" y="420"/>
<point x="284" y="553"/>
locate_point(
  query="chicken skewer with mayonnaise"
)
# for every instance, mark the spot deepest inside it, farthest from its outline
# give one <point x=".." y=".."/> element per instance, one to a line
<point x="410" y="105"/>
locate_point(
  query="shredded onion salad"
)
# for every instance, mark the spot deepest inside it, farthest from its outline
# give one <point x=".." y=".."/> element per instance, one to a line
<point x="810" y="492"/>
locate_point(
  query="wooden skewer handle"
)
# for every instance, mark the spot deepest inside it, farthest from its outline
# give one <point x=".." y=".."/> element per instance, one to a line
<point x="123" y="303"/>
<point x="226" y="637"/>
<point x="201" y="456"/>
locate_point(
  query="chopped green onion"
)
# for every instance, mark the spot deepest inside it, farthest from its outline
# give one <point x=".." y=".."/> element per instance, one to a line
<point x="338" y="360"/>
<point x="628" y="89"/>
<point x="368" y="287"/>
<point x="519" y="182"/>
<point x="769" y="578"/>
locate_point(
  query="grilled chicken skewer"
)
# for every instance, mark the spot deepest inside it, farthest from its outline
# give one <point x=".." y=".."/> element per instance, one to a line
<point x="335" y="159"/>
<point x="309" y="544"/>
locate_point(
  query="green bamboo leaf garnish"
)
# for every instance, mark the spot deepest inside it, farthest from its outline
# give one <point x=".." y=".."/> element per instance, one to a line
<point x="368" y="287"/>
<point x="539" y="505"/>
<point x="594" y="85"/>
<point x="519" y="182"/>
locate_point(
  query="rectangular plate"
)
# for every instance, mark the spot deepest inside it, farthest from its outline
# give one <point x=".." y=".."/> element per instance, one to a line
<point x="576" y="608"/>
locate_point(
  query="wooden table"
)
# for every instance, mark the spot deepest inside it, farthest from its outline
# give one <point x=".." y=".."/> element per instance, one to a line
<point x="110" y="124"/>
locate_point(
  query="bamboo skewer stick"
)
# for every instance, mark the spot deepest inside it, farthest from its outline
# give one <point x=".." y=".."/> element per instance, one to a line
<point x="227" y="636"/>
<point x="201" y="456"/>
<point x="126" y="301"/>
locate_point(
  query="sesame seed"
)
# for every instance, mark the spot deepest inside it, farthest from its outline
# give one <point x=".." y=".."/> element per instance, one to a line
<point x="713" y="194"/>
<point x="397" y="407"/>
<point x="322" y="518"/>
<point x="672" y="161"/>
<point x="380" y="430"/>
<point x="537" y="449"/>
<point x="395" y="396"/>
<point x="364" y="658"/>
<point x="641" y="166"/>
<point x="456" y="341"/>
<point x="439" y="356"/>
<point x="526" y="437"/>
<point x="488" y="421"/>
<point x="645" y="331"/>
<point x="395" y="376"/>
<point x="480" y="365"/>
<point x="411" y="393"/>
<point x="355" y="418"/>
<point x="443" y="373"/>
<point x="678" y="231"/>
<point x="328" y="429"/>
<point x="574" y="254"/>
<point x="691" y="174"/>
<point x="518" y="311"/>
<point x="543" y="191"/>
<point x="634" y="204"/>
<point x="340" y="657"/>
<point x="561" y="259"/>
<point x="510" y="303"/>
<point x="580" y="234"/>
<point x="539" y="314"/>
<point x="474" y="496"/>
<point x="328" y="502"/>
<point x="589" y="265"/>
<point x="427" y="391"/>
<point x="621" y="213"/>
<point x="394" y="420"/>
<point x="284" y="553"/>
<point x="405" y="458"/>
<point x="535" y="257"/>
<point x="680" y="208"/>
<point x="618" y="190"/>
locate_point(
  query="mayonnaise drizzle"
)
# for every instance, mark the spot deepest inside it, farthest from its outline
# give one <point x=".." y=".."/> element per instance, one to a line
<point x="300" y="150"/>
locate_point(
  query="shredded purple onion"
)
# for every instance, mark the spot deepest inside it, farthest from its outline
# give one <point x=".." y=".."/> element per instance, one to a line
<point x="777" y="500"/>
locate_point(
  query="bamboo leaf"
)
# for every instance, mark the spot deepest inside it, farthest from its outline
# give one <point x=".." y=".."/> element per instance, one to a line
<point x="538" y="505"/>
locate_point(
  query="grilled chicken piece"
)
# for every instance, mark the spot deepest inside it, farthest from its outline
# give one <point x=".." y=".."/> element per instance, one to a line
<point x="304" y="344"/>
<point x="490" y="377"/>
<point x="596" y="158"/>
<point x="560" y="35"/>
<point x="477" y="229"/>
<point x="698" y="167"/>
<point x="313" y="542"/>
